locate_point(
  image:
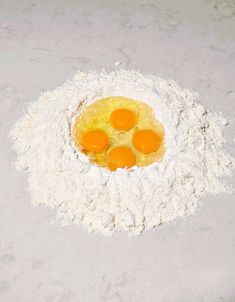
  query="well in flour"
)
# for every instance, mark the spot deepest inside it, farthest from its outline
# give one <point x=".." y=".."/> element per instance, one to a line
<point x="119" y="132"/>
<point x="61" y="176"/>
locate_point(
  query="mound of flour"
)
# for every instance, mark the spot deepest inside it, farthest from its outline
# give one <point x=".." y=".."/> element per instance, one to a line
<point x="103" y="201"/>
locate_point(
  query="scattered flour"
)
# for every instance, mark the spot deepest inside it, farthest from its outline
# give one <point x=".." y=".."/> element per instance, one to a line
<point x="117" y="63"/>
<point x="103" y="201"/>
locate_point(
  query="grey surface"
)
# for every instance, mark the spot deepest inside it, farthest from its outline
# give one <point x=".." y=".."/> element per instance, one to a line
<point x="41" y="45"/>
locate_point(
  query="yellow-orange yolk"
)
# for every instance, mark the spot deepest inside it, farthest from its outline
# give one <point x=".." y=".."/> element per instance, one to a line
<point x="121" y="157"/>
<point x="146" y="141"/>
<point x="123" y="119"/>
<point x="95" y="141"/>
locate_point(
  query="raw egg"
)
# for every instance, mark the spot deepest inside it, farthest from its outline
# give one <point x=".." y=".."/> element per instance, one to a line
<point x="95" y="141"/>
<point x="123" y="119"/>
<point x="146" y="141"/>
<point x="119" y="132"/>
<point x="121" y="157"/>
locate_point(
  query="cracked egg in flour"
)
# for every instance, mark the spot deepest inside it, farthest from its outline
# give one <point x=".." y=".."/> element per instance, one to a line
<point x="119" y="132"/>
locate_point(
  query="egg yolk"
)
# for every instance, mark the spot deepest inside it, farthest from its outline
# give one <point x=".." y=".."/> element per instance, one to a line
<point x="121" y="157"/>
<point x="146" y="141"/>
<point x="123" y="119"/>
<point x="95" y="141"/>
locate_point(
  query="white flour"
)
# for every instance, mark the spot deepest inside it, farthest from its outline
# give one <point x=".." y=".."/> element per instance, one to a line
<point x="104" y="201"/>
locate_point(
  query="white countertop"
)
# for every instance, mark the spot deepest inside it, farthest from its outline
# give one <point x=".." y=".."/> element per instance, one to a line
<point x="41" y="45"/>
